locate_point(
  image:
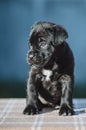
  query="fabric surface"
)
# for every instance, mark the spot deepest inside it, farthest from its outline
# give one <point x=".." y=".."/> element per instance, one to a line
<point x="11" y="117"/>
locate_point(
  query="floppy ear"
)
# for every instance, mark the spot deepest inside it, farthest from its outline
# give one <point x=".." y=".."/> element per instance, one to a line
<point x="60" y="34"/>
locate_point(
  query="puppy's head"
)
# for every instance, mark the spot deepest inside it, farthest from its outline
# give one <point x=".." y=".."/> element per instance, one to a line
<point x="43" y="39"/>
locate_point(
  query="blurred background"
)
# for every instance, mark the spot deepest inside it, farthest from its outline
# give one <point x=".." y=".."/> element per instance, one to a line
<point x="16" y="18"/>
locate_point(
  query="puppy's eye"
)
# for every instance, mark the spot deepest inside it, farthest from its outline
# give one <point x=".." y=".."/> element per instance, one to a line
<point x="41" y="39"/>
<point x="42" y="44"/>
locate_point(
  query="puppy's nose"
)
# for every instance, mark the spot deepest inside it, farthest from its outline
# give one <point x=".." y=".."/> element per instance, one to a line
<point x="30" y="56"/>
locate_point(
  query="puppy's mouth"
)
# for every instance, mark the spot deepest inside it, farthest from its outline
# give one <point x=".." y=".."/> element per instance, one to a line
<point x="39" y="60"/>
<point x="36" y="60"/>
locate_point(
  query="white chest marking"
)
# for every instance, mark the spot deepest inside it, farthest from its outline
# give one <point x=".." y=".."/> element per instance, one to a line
<point x="47" y="73"/>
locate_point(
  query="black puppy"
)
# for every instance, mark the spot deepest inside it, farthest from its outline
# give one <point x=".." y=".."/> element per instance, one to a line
<point x="51" y="76"/>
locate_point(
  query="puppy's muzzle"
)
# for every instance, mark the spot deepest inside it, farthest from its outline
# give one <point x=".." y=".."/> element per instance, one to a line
<point x="34" y="57"/>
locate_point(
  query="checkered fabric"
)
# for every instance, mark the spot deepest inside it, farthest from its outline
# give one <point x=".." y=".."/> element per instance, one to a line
<point x="11" y="117"/>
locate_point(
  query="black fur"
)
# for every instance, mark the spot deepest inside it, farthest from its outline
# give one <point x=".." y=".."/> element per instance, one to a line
<point x="51" y="69"/>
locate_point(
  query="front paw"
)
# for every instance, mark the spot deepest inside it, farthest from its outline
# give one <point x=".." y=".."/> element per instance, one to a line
<point x="31" y="110"/>
<point x="66" y="110"/>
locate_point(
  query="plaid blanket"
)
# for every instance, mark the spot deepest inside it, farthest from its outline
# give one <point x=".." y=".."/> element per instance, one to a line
<point x="11" y="117"/>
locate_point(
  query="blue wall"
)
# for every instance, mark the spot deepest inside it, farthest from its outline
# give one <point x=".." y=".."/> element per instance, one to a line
<point x="16" y="18"/>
